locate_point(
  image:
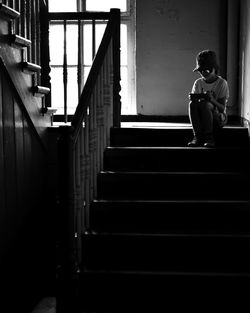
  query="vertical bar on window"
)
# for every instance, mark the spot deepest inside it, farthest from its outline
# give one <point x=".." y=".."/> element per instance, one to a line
<point x="79" y="64"/>
<point x="93" y="39"/>
<point x="65" y="71"/>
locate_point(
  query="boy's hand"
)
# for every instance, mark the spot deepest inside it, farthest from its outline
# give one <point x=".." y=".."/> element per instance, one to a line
<point x="210" y="95"/>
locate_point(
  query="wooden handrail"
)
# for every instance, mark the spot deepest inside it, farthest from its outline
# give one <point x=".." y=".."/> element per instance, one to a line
<point x="75" y="16"/>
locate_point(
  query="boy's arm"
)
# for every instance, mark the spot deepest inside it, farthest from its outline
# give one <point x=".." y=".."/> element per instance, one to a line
<point x="219" y="103"/>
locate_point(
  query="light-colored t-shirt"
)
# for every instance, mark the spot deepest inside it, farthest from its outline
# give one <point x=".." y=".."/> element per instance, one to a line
<point x="219" y="87"/>
<point x="220" y="90"/>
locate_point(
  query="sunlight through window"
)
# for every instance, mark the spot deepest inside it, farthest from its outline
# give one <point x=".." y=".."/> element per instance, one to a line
<point x="62" y="5"/>
<point x="97" y="5"/>
<point x="87" y="53"/>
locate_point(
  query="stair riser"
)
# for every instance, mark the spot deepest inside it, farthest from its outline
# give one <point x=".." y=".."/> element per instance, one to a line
<point x="175" y="159"/>
<point x="172" y="186"/>
<point x="174" y="137"/>
<point x="170" y="217"/>
<point x="132" y="293"/>
<point x="167" y="253"/>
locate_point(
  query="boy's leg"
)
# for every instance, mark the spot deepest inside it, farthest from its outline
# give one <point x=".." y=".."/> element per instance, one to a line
<point x="207" y="117"/>
<point x="195" y="119"/>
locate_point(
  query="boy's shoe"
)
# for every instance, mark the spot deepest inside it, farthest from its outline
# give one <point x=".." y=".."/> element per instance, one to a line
<point x="209" y="143"/>
<point x="196" y="142"/>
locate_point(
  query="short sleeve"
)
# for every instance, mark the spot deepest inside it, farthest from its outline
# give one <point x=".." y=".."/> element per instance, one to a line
<point x="224" y="90"/>
<point x="196" y="88"/>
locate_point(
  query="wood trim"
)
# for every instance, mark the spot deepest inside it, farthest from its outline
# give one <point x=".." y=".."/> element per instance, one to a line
<point x="4" y="69"/>
<point x="74" y="16"/>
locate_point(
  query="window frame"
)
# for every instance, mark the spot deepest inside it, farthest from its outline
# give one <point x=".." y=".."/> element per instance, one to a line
<point x="127" y="18"/>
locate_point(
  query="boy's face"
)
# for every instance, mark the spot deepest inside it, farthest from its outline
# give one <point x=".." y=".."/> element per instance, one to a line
<point x="207" y="74"/>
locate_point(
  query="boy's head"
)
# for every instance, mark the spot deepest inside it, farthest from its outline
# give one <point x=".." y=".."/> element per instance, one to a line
<point x="206" y="60"/>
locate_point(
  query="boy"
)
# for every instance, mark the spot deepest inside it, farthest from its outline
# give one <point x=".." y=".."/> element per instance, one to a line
<point x="209" y="96"/>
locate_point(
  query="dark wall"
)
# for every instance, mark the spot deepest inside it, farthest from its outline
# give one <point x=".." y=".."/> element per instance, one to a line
<point x="169" y="34"/>
<point x="26" y="237"/>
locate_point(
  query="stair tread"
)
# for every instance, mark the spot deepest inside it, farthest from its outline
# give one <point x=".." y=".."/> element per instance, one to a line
<point x="172" y="201"/>
<point x="85" y="270"/>
<point x="167" y="235"/>
<point x="8" y="12"/>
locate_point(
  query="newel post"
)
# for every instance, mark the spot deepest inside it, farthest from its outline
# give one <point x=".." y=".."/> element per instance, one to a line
<point x="116" y="18"/>
<point x="44" y="50"/>
<point x="67" y="267"/>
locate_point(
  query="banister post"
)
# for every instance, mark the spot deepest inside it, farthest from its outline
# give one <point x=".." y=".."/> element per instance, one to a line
<point x="44" y="44"/>
<point x="67" y="267"/>
<point x="115" y="16"/>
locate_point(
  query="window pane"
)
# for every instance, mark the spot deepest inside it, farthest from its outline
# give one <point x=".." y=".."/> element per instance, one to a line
<point x="124" y="90"/>
<point x="57" y="98"/>
<point x="106" y="5"/>
<point x="86" y="73"/>
<point x="72" y="90"/>
<point x="72" y="44"/>
<point x="57" y="90"/>
<point x="62" y="5"/>
<point x="87" y="44"/>
<point x="100" y="28"/>
<point x="124" y="45"/>
<point x="56" y="44"/>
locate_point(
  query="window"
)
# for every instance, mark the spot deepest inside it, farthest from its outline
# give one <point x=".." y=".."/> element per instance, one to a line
<point x="56" y="50"/>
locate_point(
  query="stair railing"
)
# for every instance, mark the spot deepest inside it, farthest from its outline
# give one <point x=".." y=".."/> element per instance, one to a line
<point x="26" y="29"/>
<point x="82" y="144"/>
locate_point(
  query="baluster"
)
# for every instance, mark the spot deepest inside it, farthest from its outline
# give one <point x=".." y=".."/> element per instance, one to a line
<point x="28" y="26"/>
<point x="95" y="134"/>
<point x="65" y="71"/>
<point x="87" y="167"/>
<point x="34" y="31"/>
<point x="38" y="32"/>
<point x="93" y="39"/>
<point x="10" y="3"/>
<point x="106" y="95"/>
<point x="77" y="194"/>
<point x="105" y="107"/>
<point x="92" y="146"/>
<point x="100" y="122"/>
<point x="102" y="112"/>
<point x="98" y="164"/>
<point x="116" y="68"/>
<point x="112" y="87"/>
<point x="18" y="21"/>
<point x="82" y="221"/>
<point x="79" y="65"/>
<point x="23" y="9"/>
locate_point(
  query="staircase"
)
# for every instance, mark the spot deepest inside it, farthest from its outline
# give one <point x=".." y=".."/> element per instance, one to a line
<point x="170" y="225"/>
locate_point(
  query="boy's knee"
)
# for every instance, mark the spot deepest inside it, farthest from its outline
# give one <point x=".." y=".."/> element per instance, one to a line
<point x="193" y="104"/>
<point x="208" y="105"/>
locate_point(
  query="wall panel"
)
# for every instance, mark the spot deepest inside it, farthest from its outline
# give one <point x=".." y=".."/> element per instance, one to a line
<point x="24" y="216"/>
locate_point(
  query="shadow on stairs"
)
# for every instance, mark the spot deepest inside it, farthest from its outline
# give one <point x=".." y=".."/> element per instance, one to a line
<point x="170" y="225"/>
